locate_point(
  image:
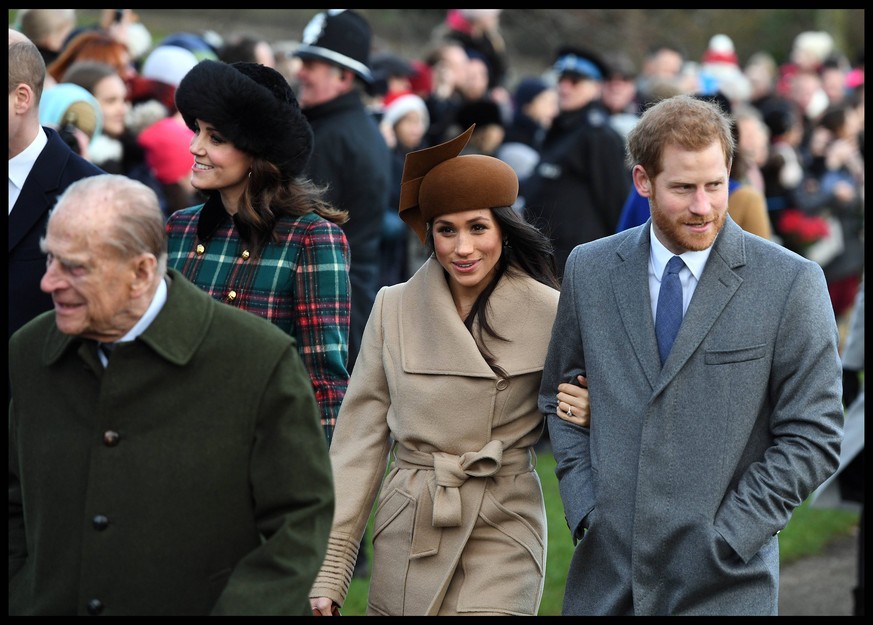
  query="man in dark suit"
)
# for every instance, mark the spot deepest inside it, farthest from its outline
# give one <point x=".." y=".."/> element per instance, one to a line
<point x="189" y="474"/>
<point x="702" y="443"/>
<point x="41" y="166"/>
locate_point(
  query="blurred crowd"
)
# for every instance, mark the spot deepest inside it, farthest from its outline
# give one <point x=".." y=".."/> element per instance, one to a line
<point x="799" y="120"/>
<point x="315" y="170"/>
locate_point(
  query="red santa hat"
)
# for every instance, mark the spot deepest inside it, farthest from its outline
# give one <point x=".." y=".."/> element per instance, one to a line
<point x="721" y="50"/>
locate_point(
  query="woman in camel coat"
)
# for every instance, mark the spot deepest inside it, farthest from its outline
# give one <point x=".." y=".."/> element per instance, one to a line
<point x="460" y="526"/>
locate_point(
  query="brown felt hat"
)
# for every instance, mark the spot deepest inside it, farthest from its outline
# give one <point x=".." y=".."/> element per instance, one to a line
<point x="436" y="181"/>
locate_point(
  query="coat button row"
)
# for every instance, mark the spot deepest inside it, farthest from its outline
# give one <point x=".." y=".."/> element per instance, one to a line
<point x="111" y="438"/>
<point x="100" y="522"/>
<point x="94" y="607"/>
<point x="200" y="249"/>
<point x="231" y="296"/>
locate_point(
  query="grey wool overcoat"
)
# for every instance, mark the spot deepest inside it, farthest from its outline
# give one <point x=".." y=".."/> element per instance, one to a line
<point x="461" y="493"/>
<point x="190" y="477"/>
<point x="687" y="472"/>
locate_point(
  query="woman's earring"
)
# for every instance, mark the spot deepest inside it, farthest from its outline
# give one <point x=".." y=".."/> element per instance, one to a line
<point x="250" y="173"/>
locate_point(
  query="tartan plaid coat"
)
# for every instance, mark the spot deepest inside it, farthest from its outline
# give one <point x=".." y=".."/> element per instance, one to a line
<point x="301" y="284"/>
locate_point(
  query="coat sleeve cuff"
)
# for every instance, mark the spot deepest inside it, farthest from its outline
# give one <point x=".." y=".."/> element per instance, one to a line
<point x="335" y="576"/>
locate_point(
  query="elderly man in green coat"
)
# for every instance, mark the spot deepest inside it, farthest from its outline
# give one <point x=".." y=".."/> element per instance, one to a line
<point x="188" y="474"/>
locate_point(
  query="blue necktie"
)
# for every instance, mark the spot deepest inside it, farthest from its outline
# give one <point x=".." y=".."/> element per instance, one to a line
<point x="668" y="316"/>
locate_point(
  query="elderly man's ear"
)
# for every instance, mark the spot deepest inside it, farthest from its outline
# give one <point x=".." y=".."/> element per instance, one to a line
<point x="145" y="267"/>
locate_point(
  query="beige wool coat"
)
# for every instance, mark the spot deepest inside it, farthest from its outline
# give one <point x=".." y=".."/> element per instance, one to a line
<point x="461" y="498"/>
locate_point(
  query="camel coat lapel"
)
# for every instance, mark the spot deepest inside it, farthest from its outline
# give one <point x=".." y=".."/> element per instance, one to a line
<point x="427" y="311"/>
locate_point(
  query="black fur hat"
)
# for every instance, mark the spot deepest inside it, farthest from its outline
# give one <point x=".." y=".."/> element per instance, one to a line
<point x="253" y="107"/>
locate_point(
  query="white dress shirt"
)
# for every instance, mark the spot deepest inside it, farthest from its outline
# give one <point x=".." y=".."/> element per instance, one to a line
<point x="689" y="276"/>
<point x="21" y="164"/>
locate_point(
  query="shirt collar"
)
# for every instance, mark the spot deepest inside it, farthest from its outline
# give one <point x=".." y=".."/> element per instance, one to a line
<point x="660" y="256"/>
<point x="154" y="308"/>
<point x="21" y="164"/>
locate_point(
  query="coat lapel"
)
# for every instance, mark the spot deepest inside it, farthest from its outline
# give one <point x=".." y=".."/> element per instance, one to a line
<point x="630" y="283"/>
<point x="717" y="286"/>
<point x="524" y="310"/>
<point x="40" y="186"/>
<point x="434" y="340"/>
<point x="182" y="325"/>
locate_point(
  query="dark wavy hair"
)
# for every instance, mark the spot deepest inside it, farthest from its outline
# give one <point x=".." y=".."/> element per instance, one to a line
<point x="525" y="249"/>
<point x="269" y="195"/>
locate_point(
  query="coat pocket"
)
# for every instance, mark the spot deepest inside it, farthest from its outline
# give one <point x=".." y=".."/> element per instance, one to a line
<point x="728" y="356"/>
<point x="503" y="562"/>
<point x="515" y="527"/>
<point x="393" y="528"/>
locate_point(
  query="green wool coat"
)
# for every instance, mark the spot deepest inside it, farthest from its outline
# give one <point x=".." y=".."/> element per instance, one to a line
<point x="189" y="477"/>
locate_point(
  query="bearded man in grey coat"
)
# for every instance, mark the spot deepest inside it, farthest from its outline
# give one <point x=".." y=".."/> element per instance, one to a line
<point x="697" y="450"/>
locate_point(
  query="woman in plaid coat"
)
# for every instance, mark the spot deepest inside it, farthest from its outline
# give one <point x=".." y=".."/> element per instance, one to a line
<point x="265" y="240"/>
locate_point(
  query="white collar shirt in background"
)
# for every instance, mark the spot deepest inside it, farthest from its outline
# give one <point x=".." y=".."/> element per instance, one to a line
<point x="21" y="164"/>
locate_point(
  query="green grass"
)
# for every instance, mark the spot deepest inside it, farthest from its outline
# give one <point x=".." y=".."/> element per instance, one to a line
<point x="808" y="532"/>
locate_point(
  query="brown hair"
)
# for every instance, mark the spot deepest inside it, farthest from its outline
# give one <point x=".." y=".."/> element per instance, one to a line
<point x="683" y="121"/>
<point x="269" y="195"/>
<point x="26" y="66"/>
<point x="88" y="74"/>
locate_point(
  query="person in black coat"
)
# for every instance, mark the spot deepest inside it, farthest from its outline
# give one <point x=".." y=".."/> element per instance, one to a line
<point x="41" y="167"/>
<point x="577" y="190"/>
<point x="350" y="154"/>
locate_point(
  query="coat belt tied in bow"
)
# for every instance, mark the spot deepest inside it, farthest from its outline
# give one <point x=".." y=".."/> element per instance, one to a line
<point x="450" y="473"/>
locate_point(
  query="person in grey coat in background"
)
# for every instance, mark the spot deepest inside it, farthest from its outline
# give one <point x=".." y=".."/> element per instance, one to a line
<point x="677" y="490"/>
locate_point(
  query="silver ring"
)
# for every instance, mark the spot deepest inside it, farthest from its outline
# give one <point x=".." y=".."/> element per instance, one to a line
<point x="569" y="411"/>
